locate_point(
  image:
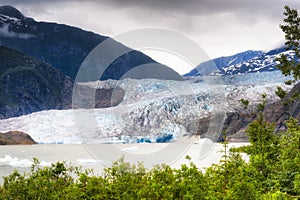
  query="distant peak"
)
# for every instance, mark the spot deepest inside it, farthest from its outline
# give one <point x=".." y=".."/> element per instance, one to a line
<point x="11" y="12"/>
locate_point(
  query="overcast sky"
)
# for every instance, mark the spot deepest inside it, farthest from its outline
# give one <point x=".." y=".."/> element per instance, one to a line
<point x="220" y="27"/>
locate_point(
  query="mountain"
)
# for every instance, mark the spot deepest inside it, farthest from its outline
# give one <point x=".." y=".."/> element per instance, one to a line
<point x="276" y="112"/>
<point x="15" y="137"/>
<point x="64" y="47"/>
<point x="282" y="110"/>
<point x="245" y="62"/>
<point x="222" y="62"/>
<point x="28" y="85"/>
<point x="264" y="62"/>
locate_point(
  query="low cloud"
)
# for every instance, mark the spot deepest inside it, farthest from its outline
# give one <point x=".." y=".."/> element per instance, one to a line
<point x="5" y="32"/>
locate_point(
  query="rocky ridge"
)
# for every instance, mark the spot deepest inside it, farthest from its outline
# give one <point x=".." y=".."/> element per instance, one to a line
<point x="15" y="138"/>
<point x="64" y="47"/>
<point x="28" y="85"/>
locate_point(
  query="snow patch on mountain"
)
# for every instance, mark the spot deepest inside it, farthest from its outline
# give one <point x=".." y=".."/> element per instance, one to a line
<point x="266" y="62"/>
<point x="245" y="62"/>
<point x="6" y="18"/>
<point x="214" y="66"/>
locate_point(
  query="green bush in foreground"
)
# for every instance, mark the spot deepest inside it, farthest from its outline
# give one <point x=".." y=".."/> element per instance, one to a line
<point x="233" y="178"/>
<point x="273" y="172"/>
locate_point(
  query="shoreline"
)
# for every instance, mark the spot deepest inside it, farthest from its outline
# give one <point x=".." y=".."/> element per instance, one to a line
<point x="20" y="157"/>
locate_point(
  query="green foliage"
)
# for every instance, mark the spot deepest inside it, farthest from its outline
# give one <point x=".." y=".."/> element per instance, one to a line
<point x="245" y="103"/>
<point x="274" y="159"/>
<point x="53" y="182"/>
<point x="261" y="106"/>
<point x="233" y="178"/>
<point x="290" y="158"/>
<point x="289" y="82"/>
<point x="281" y="93"/>
<point x="120" y="181"/>
<point x="278" y="195"/>
<point x="291" y="29"/>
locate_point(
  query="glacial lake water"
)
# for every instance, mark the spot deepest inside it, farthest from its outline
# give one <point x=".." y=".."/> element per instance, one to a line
<point x="99" y="156"/>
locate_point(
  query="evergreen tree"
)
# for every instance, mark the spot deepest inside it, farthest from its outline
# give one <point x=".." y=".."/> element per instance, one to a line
<point x="291" y="29"/>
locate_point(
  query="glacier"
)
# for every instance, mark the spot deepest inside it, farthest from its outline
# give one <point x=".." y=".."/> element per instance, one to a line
<point x="152" y="110"/>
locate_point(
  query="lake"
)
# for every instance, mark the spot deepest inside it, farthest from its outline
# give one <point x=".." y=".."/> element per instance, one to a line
<point x="98" y="156"/>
